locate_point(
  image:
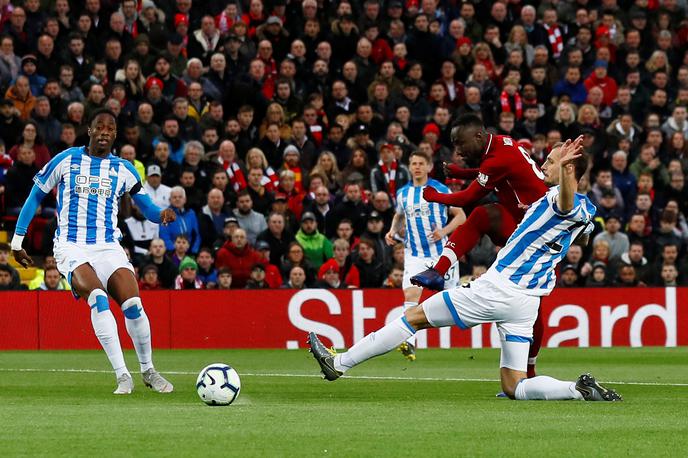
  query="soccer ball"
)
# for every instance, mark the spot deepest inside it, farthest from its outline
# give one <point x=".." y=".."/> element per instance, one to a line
<point x="218" y="385"/>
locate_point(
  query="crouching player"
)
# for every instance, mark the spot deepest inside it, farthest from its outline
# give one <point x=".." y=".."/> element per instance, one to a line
<point x="90" y="182"/>
<point x="507" y="294"/>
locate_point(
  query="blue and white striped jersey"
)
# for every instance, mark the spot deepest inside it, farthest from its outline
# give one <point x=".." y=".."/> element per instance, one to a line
<point x="421" y="217"/>
<point x="540" y="242"/>
<point x="88" y="193"/>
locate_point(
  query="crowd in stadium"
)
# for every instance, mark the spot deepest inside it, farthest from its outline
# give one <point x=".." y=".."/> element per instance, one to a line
<point x="278" y="130"/>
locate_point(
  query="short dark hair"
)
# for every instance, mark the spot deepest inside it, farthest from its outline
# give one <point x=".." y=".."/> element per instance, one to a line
<point x="580" y="165"/>
<point x="468" y="120"/>
<point x="102" y="111"/>
<point x="420" y="154"/>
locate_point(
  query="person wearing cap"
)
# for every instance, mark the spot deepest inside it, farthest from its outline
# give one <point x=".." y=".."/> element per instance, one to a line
<point x="388" y="175"/>
<point x="29" y="67"/>
<point x="149" y="280"/>
<point x="292" y="157"/>
<point x="159" y="193"/>
<point x="599" y="77"/>
<point x="272" y="273"/>
<point x="375" y="232"/>
<point x="328" y="277"/>
<point x="205" y="41"/>
<point x="568" y="277"/>
<point x="188" y="275"/>
<point x="316" y="246"/>
<point x="257" y="278"/>
<point x="238" y="256"/>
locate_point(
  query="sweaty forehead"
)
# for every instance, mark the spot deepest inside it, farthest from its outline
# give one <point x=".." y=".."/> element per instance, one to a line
<point x="104" y="119"/>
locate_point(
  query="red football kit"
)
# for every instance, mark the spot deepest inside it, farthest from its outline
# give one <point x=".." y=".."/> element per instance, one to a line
<point x="508" y="170"/>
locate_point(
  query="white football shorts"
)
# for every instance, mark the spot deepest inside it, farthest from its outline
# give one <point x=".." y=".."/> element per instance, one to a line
<point x="483" y="301"/>
<point x="105" y="259"/>
<point x="414" y="265"/>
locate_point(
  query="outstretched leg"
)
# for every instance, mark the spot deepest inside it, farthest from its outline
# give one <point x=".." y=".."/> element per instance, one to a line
<point x="538" y="331"/>
<point x="86" y="284"/>
<point x="125" y="291"/>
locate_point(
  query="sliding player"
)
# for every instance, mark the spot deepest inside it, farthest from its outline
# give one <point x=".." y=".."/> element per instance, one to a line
<point x="425" y="232"/>
<point x="91" y="182"/>
<point x="506" y="169"/>
<point x="508" y="294"/>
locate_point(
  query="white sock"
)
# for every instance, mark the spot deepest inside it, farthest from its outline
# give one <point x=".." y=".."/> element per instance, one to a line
<point x="138" y="328"/>
<point x="374" y="344"/>
<point x="412" y="339"/>
<point x="450" y="255"/>
<point x="546" y="388"/>
<point x="105" y="327"/>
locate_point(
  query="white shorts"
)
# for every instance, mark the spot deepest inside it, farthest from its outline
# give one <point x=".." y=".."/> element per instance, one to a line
<point x="414" y="265"/>
<point x="482" y="301"/>
<point x="104" y="258"/>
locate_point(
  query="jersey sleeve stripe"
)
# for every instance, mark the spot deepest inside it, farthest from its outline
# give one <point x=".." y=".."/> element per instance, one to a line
<point x="525" y="241"/>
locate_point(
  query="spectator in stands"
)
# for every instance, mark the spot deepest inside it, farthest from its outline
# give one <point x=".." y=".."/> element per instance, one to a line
<point x="30" y="139"/>
<point x="317" y="247"/>
<point x="206" y="270"/>
<point x="257" y="278"/>
<point x="668" y="233"/>
<point x="297" y="278"/>
<point x="185" y="224"/>
<point x="261" y="198"/>
<point x="635" y="257"/>
<point x="171" y="172"/>
<point x="6" y="283"/>
<point x="159" y="193"/>
<point x="149" y="278"/>
<point x="395" y="277"/>
<point x="296" y="256"/>
<point x="21" y="97"/>
<point x="618" y="241"/>
<point x="224" y="278"/>
<point x="347" y="271"/>
<point x="321" y="207"/>
<point x="628" y="277"/>
<point x="12" y="125"/>
<point x="238" y="256"/>
<point x="212" y="217"/>
<point x="277" y="237"/>
<point x="187" y="278"/>
<point x="249" y="220"/>
<point x="598" y="276"/>
<point x="272" y="272"/>
<point x="4" y="263"/>
<point x="352" y="208"/>
<point x="19" y="181"/>
<point x="648" y="161"/>
<point x="371" y="269"/>
<point x="167" y="270"/>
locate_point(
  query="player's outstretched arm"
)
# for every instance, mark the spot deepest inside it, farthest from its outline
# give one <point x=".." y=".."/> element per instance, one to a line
<point x="455" y="171"/>
<point x="151" y="211"/>
<point x="25" y="216"/>
<point x="570" y="151"/>
<point x="473" y="193"/>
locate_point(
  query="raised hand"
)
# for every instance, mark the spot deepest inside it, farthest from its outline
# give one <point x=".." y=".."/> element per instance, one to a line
<point x="167" y="216"/>
<point x="22" y="258"/>
<point x="571" y="150"/>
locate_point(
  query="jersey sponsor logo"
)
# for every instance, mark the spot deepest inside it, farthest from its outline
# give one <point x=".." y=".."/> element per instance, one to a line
<point x="482" y="179"/>
<point x="94" y="186"/>
<point x="418" y="210"/>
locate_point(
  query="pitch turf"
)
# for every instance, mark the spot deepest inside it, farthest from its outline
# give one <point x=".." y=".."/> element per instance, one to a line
<point x="59" y="404"/>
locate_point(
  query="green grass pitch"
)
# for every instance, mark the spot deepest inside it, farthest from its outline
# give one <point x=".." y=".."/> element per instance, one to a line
<point x="60" y="404"/>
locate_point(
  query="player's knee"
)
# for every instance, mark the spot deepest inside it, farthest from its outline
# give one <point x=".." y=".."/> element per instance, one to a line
<point x="416" y="317"/>
<point x="98" y="300"/>
<point x="132" y="308"/>
<point x="510" y="379"/>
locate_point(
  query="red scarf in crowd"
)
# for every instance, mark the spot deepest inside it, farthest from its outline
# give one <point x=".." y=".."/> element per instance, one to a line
<point x="506" y="106"/>
<point x="556" y="40"/>
<point x="270" y="180"/>
<point x="236" y="176"/>
<point x="298" y="177"/>
<point x="390" y="176"/>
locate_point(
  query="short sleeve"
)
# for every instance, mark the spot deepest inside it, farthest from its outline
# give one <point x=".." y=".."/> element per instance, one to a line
<point x="579" y="211"/>
<point x="400" y="204"/>
<point x="48" y="177"/>
<point x="130" y="177"/>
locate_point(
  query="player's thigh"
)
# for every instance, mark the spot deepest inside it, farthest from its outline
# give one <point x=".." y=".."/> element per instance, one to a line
<point x="450" y="307"/>
<point x="502" y="223"/>
<point x="109" y="259"/>
<point x="84" y="280"/>
<point x="73" y="262"/>
<point x="122" y="285"/>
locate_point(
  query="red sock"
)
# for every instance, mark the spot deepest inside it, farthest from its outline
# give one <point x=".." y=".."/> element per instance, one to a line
<point x="464" y="238"/>
<point x="538" y="331"/>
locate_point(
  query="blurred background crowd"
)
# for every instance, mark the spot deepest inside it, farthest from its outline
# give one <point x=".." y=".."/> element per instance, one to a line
<point x="279" y="130"/>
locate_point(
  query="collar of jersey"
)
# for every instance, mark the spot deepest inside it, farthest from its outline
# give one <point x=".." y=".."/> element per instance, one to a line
<point x="84" y="151"/>
<point x="489" y="144"/>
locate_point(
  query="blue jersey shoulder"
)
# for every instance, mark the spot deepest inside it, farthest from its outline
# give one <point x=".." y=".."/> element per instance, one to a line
<point x="437" y="185"/>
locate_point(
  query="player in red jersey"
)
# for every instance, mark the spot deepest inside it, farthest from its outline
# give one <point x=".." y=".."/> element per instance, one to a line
<point x="506" y="169"/>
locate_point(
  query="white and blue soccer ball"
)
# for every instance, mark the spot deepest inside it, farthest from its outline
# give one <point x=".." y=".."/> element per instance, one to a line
<point x="218" y="384"/>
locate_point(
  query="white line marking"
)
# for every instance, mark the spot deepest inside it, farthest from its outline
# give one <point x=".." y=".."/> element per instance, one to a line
<point x="355" y="377"/>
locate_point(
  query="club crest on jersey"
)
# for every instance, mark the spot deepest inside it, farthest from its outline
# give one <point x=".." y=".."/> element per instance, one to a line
<point x="482" y="179"/>
<point x="75" y="167"/>
<point x="94" y="186"/>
